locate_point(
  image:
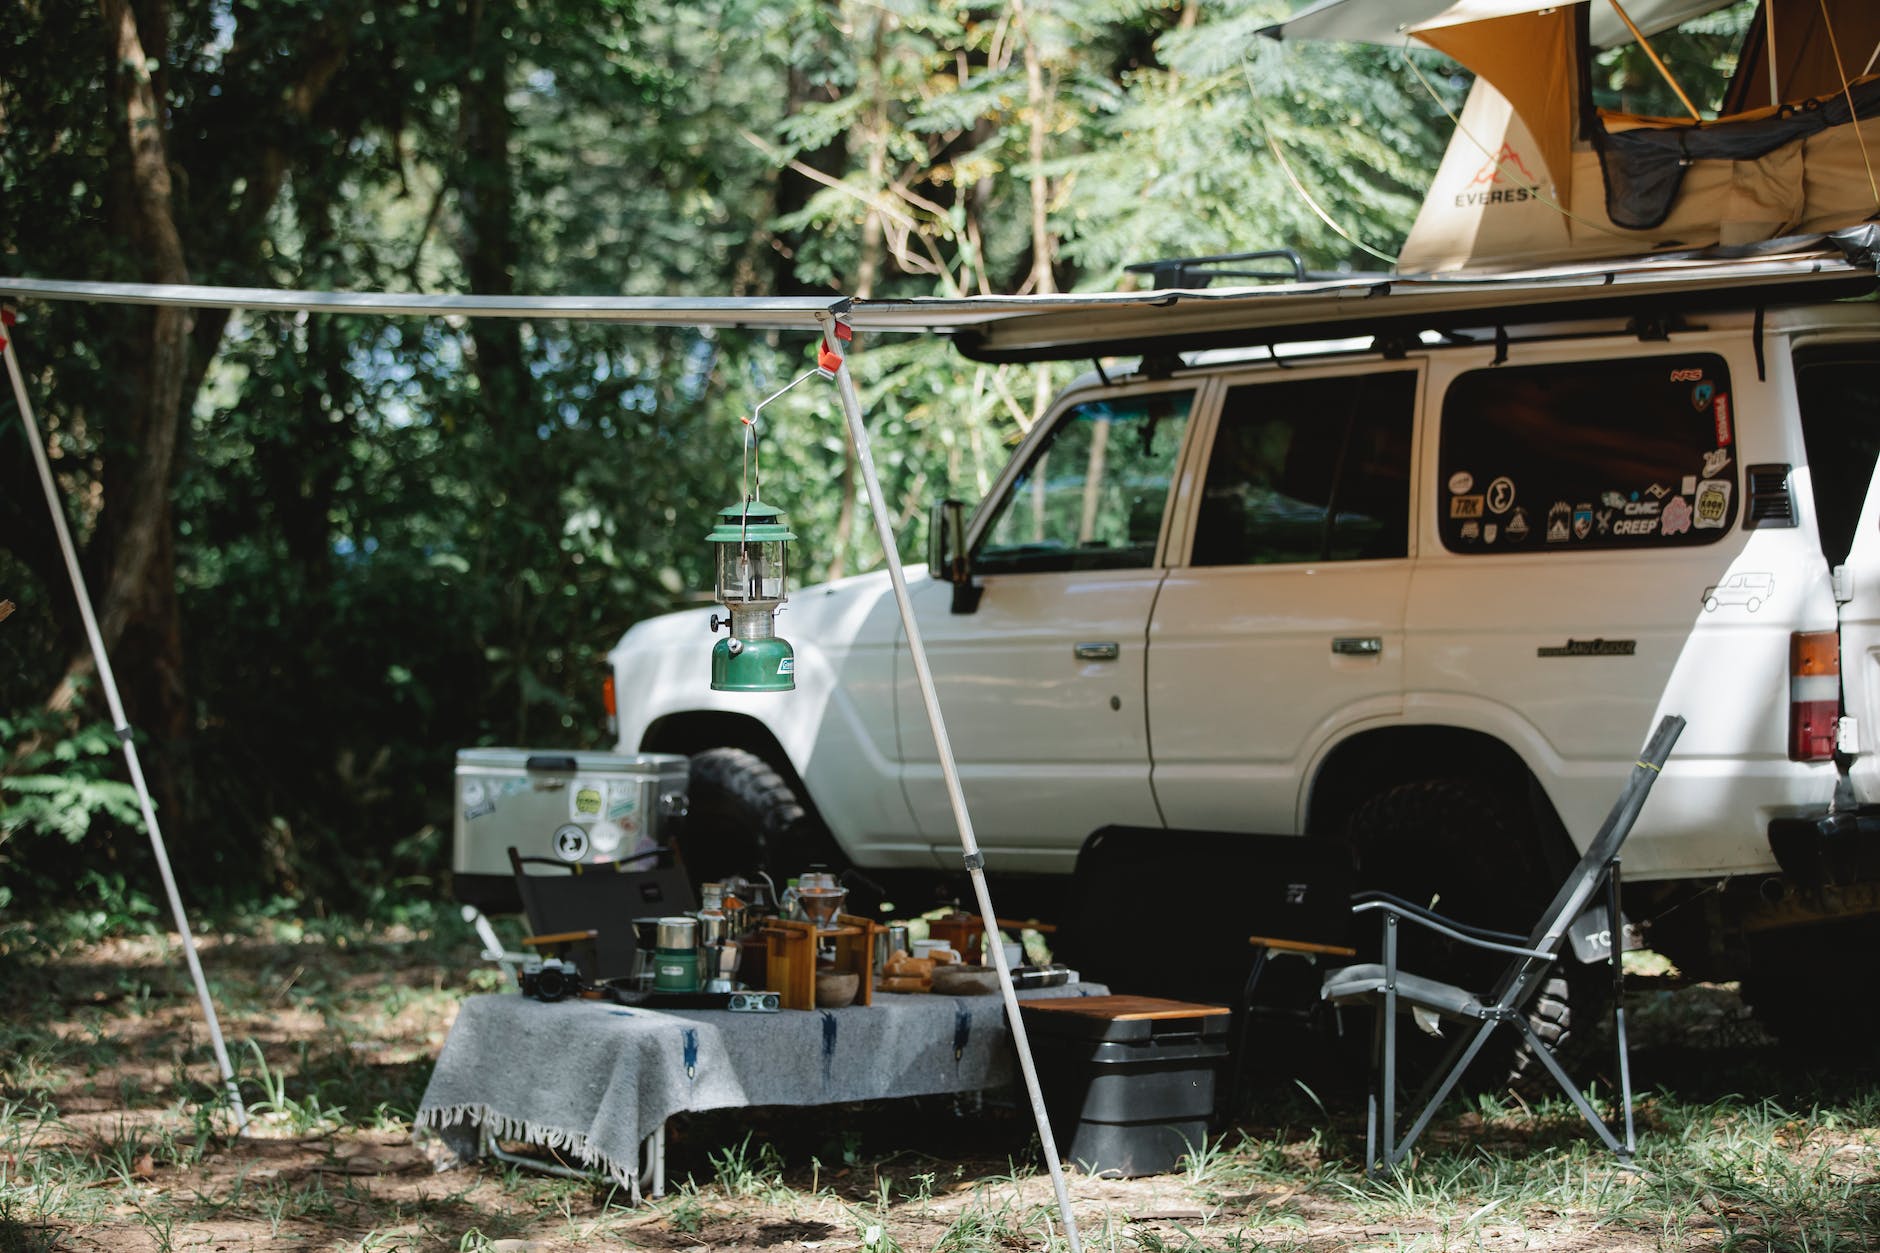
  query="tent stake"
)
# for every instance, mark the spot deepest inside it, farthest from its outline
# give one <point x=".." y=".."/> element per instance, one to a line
<point x="122" y="725"/>
<point x="949" y="769"/>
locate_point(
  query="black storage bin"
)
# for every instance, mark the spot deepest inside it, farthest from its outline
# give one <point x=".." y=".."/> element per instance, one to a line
<point x="1129" y="1081"/>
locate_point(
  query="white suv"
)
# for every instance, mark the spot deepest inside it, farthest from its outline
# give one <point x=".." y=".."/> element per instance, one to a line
<point x="1428" y="597"/>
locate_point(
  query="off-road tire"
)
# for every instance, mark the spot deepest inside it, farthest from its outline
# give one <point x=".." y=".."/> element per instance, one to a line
<point x="1471" y="848"/>
<point x="744" y="817"/>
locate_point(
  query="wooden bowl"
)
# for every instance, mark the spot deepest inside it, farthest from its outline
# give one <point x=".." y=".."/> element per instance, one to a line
<point x="836" y="988"/>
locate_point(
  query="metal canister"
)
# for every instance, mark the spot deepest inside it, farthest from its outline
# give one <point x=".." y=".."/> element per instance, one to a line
<point x="675" y="961"/>
<point x="897" y="938"/>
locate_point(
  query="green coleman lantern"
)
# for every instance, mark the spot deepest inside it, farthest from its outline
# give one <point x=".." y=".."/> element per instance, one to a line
<point x="751" y="572"/>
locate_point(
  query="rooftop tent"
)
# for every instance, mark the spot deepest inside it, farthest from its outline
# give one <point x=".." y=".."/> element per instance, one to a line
<point x="1538" y="171"/>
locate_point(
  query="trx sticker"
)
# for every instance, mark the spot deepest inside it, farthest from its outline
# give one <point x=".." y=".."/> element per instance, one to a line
<point x="1460" y="482"/>
<point x="1722" y="411"/>
<point x="585" y="801"/>
<point x="1714" y="461"/>
<point x="1501" y="495"/>
<point x="571" y="842"/>
<point x="1589" y="648"/>
<point x="1676" y="518"/>
<point x="1465" y="506"/>
<point x="1517" y="526"/>
<point x="1702" y="395"/>
<point x="1713" y="504"/>
<point x="1582" y="521"/>
<point x="787" y="666"/>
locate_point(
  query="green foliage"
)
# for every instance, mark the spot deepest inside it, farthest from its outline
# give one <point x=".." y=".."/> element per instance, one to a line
<point x="395" y="537"/>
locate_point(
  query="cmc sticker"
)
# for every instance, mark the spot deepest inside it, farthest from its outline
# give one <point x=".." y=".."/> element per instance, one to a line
<point x="1713" y="504"/>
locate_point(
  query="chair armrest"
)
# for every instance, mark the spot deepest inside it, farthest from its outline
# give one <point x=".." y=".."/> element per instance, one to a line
<point x="559" y="937"/>
<point x="1442" y="926"/>
<point x="1403" y="906"/>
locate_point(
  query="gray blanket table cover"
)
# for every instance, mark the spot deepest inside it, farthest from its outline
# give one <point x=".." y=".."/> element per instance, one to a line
<point x="592" y="1080"/>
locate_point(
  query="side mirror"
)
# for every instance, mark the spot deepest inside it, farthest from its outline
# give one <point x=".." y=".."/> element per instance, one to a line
<point x="947" y="558"/>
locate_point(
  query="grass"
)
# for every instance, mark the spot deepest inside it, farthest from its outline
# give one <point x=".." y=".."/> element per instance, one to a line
<point x="109" y="1137"/>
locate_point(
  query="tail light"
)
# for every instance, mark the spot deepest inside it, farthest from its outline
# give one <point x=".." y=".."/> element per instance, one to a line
<point x="607" y="703"/>
<point x="1814" y="694"/>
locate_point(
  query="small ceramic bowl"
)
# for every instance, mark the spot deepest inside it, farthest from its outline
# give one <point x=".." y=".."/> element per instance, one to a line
<point x="836" y="988"/>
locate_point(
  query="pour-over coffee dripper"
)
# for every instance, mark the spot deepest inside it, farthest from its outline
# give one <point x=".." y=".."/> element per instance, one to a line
<point x="822" y="898"/>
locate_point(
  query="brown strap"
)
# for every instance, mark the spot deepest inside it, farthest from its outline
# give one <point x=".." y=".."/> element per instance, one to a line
<point x="560" y="937"/>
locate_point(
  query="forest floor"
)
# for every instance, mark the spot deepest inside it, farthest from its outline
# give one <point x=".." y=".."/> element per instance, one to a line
<point x="104" y="1066"/>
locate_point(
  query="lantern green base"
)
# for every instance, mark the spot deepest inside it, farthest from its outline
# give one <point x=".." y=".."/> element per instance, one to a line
<point x="758" y="666"/>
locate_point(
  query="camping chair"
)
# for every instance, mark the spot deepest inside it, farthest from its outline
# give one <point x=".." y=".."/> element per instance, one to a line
<point x="585" y="910"/>
<point x="1531" y="957"/>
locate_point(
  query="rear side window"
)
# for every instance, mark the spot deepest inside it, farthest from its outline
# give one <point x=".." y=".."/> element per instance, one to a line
<point x="1838" y="388"/>
<point x="1639" y="453"/>
<point x="1309" y="470"/>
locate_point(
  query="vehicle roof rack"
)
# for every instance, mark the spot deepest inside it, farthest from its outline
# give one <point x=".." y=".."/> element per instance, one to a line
<point x="1193" y="273"/>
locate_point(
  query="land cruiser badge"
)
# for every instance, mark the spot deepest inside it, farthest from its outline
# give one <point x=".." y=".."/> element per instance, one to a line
<point x="1589" y="648"/>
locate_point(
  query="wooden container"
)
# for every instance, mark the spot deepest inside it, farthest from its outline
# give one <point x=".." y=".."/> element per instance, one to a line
<point x="790" y="956"/>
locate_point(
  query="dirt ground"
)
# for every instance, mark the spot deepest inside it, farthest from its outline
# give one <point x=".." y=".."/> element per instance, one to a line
<point x="104" y="1144"/>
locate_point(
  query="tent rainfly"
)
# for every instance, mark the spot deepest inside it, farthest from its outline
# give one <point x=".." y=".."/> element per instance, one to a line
<point x="1538" y="172"/>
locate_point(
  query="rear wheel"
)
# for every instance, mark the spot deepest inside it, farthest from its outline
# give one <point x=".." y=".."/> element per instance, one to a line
<point x="1470" y="851"/>
<point x="744" y="817"/>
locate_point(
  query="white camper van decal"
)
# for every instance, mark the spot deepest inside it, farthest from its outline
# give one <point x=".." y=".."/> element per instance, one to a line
<point x="1749" y="590"/>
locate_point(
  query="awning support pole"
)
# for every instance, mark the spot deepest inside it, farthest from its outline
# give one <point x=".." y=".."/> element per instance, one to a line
<point x="122" y="725"/>
<point x="949" y="769"/>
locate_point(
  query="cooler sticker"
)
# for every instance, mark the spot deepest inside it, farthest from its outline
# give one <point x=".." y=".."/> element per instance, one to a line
<point x="1687" y="375"/>
<point x="1517" y="526"/>
<point x="1690" y="485"/>
<point x="1582" y="521"/>
<point x="1460" y="482"/>
<point x="1749" y="590"/>
<point x="473" y="792"/>
<point x="1501" y="495"/>
<point x="1472" y="530"/>
<point x="787" y="666"/>
<point x="1722" y="411"/>
<point x="1714" y="461"/>
<point x="1676" y="518"/>
<point x="1702" y="395"/>
<point x="472" y="812"/>
<point x="571" y="842"/>
<point x="1713" y="504"/>
<point x="1465" y="506"/>
<point x="623" y="801"/>
<point x="585" y="800"/>
<point x="1559" y="522"/>
<point x="1489" y="532"/>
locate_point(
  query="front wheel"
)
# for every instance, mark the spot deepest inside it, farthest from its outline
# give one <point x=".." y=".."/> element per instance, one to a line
<point x="745" y="817"/>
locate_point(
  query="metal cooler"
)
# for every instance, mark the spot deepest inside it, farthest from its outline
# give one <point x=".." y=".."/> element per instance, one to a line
<point x="572" y="806"/>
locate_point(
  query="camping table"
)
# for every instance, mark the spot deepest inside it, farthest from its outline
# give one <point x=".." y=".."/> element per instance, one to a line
<point x="597" y="1081"/>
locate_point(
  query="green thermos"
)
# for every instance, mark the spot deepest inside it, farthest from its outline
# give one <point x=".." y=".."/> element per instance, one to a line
<point x="675" y="957"/>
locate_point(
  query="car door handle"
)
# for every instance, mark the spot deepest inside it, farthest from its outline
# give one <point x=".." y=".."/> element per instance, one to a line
<point x="1096" y="650"/>
<point x="1357" y="645"/>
